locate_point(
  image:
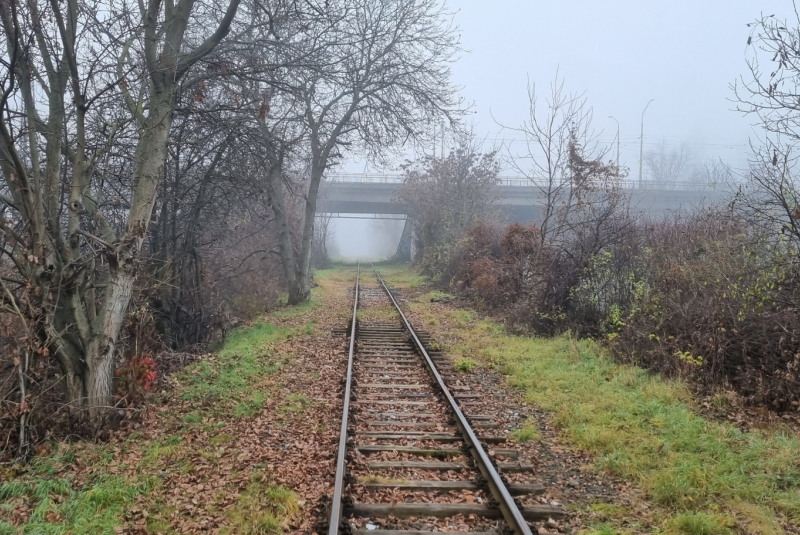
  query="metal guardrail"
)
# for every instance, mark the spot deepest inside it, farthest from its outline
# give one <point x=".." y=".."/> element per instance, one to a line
<point x="338" y="215"/>
<point x="390" y="178"/>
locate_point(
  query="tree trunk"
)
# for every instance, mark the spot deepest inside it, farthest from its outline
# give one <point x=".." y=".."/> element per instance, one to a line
<point x="276" y="202"/>
<point x="100" y="353"/>
<point x="300" y="292"/>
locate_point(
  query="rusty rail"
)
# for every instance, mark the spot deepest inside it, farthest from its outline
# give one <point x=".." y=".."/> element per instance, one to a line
<point x="341" y="461"/>
<point x="511" y="513"/>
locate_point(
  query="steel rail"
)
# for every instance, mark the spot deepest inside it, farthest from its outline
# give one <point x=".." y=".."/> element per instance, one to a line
<point x="341" y="461"/>
<point x="511" y="513"/>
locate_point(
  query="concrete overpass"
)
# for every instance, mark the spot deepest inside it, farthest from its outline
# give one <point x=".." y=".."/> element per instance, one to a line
<point x="375" y="194"/>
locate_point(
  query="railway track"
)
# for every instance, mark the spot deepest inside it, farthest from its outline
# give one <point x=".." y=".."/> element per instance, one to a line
<point x="414" y="448"/>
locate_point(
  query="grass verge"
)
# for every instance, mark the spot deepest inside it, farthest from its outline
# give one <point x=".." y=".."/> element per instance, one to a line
<point x="398" y="275"/>
<point x="92" y="488"/>
<point x="57" y="504"/>
<point x="711" y="475"/>
<point x="709" y="478"/>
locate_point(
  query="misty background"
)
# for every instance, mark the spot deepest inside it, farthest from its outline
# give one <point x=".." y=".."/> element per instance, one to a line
<point x="683" y="54"/>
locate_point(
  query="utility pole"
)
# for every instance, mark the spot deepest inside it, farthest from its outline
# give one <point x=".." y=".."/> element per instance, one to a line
<point x="641" y="145"/>
<point x="615" y="120"/>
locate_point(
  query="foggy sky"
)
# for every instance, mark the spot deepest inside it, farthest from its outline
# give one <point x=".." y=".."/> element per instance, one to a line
<point x="682" y="53"/>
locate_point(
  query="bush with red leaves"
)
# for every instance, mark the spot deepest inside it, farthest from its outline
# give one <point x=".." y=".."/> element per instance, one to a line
<point x="512" y="271"/>
<point x="135" y="378"/>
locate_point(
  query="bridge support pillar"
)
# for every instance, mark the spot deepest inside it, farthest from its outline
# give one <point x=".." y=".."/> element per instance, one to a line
<point x="405" y="249"/>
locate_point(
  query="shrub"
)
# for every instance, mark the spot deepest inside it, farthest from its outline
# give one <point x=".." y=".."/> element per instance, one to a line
<point x="135" y="378"/>
<point x="697" y="295"/>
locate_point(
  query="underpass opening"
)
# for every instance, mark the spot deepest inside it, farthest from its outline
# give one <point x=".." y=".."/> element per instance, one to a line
<point x="367" y="236"/>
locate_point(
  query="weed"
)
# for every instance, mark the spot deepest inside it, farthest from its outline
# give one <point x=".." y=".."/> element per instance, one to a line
<point x="465" y="365"/>
<point x="723" y="399"/>
<point x="602" y="529"/>
<point x="251" y="406"/>
<point x="193" y="417"/>
<point x="701" y="524"/>
<point x="220" y="439"/>
<point x="430" y="319"/>
<point x="13" y="489"/>
<point x="463" y="317"/>
<point x="608" y="510"/>
<point x="400" y="276"/>
<point x="528" y="432"/>
<point x="435" y="296"/>
<point x="262" y="509"/>
<point x="378" y="313"/>
<point x="295" y="404"/>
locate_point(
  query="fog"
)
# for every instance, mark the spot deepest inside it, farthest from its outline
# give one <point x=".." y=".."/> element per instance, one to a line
<point x="356" y="238"/>
<point x="683" y="54"/>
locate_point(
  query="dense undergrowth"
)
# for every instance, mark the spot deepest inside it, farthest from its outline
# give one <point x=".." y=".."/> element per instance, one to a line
<point x="708" y="478"/>
<point x="696" y="296"/>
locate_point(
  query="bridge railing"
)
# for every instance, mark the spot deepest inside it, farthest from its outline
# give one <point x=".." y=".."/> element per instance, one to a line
<point x="394" y="178"/>
<point x="367" y="178"/>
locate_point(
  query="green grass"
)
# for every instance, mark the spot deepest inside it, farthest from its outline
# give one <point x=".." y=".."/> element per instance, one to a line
<point x="251" y="406"/>
<point x="398" y="275"/>
<point x="193" y="417"/>
<point x="60" y="506"/>
<point x="465" y="365"/>
<point x="700" y="524"/>
<point x="227" y="378"/>
<point x="644" y="428"/>
<point x="295" y="404"/>
<point x="602" y="529"/>
<point x="297" y="310"/>
<point x="527" y="432"/>
<point x="435" y="295"/>
<point x="223" y="386"/>
<point x="262" y="509"/>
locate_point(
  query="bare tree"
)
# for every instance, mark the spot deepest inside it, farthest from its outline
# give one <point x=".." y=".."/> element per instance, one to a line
<point x="556" y="138"/>
<point x="667" y="166"/>
<point x="373" y="76"/>
<point x="80" y="257"/>
<point x="772" y="97"/>
<point x="324" y="229"/>
<point x="713" y="172"/>
<point x="448" y="196"/>
<point x="770" y="198"/>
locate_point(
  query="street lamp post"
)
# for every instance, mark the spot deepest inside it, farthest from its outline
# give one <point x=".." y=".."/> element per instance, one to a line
<point x="641" y="145"/>
<point x="615" y="120"/>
